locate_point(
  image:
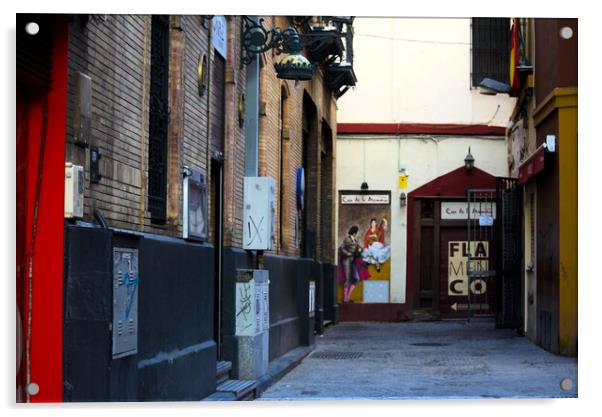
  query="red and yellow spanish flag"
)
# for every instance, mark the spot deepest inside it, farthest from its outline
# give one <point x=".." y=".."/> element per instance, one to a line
<point x="514" y="82"/>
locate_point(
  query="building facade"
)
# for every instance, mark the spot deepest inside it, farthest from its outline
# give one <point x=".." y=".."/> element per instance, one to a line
<point x="542" y="155"/>
<point x="404" y="135"/>
<point x="166" y="121"/>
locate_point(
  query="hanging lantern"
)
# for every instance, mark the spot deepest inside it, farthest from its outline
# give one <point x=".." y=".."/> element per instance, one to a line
<point x="294" y="66"/>
<point x="257" y="39"/>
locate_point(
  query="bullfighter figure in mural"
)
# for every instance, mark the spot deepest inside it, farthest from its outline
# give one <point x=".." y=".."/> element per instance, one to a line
<point x="375" y="251"/>
<point x="351" y="265"/>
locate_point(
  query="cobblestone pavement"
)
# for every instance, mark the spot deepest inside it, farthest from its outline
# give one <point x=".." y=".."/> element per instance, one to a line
<point x="445" y="359"/>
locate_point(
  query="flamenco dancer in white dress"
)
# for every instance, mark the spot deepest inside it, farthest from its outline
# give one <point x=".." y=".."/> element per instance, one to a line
<point x="375" y="251"/>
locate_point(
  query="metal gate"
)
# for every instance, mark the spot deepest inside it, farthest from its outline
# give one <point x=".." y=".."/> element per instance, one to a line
<point x="509" y="254"/>
<point x="480" y="262"/>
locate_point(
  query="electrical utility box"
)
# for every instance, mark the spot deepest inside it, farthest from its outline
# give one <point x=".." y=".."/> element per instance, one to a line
<point x="125" y="302"/>
<point x="74" y="191"/>
<point x="194" y="198"/>
<point x="259" y="213"/>
<point x="252" y="331"/>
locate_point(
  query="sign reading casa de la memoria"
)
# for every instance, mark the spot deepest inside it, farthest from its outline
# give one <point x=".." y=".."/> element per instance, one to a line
<point x="365" y="199"/>
<point x="459" y="210"/>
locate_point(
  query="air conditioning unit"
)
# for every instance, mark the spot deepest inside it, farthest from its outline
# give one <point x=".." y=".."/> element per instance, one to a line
<point x="74" y="191"/>
<point x="259" y="213"/>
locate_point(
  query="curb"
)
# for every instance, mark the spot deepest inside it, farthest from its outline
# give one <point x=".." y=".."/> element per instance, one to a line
<point x="281" y="366"/>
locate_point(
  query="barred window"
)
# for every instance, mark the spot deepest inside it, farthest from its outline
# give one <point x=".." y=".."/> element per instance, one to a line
<point x="490" y="49"/>
<point x="158" y="119"/>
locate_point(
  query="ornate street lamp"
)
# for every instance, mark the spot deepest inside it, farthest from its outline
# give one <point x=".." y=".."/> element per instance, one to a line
<point x="257" y="39"/>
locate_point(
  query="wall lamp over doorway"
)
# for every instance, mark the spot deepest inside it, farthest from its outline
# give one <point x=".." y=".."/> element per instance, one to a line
<point x="257" y="39"/>
<point x="403" y="199"/>
<point x="469" y="161"/>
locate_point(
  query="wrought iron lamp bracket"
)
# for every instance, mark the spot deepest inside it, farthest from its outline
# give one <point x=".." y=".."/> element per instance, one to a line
<point x="257" y="38"/>
<point x="206" y="18"/>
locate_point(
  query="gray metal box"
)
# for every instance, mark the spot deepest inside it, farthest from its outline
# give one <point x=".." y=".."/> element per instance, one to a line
<point x="259" y="213"/>
<point x="125" y="302"/>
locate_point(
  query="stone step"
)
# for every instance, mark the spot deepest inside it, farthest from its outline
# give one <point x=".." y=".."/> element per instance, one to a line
<point x="243" y="390"/>
<point x="223" y="369"/>
<point x="220" y="396"/>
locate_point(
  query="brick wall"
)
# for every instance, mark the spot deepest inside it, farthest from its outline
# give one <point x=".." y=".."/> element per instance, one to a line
<point x="115" y="53"/>
<point x="112" y="53"/>
<point x="196" y="126"/>
<point x="270" y="147"/>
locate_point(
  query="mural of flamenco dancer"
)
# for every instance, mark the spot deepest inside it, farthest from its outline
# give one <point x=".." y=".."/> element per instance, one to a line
<point x="375" y="251"/>
<point x="365" y="250"/>
<point x="351" y="264"/>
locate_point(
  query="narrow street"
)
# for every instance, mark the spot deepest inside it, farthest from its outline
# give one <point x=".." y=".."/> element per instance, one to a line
<point x="233" y="207"/>
<point x="431" y="360"/>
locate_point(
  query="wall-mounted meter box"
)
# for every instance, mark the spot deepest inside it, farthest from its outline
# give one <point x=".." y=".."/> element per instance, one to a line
<point x="194" y="198"/>
<point x="259" y="213"/>
<point x="74" y="191"/>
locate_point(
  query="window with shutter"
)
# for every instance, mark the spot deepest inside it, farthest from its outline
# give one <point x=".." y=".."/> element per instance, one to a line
<point x="158" y="119"/>
<point x="490" y="49"/>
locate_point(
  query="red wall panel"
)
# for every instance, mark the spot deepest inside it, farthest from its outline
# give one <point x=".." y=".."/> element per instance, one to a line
<point x="40" y="289"/>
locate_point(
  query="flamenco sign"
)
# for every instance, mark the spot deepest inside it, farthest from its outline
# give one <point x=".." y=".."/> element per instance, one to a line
<point x="365" y="199"/>
<point x="458" y="268"/>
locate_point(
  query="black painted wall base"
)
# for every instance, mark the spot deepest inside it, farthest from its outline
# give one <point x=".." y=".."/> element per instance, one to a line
<point x="176" y="354"/>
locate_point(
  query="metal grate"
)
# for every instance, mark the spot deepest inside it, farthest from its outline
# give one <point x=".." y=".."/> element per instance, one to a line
<point x="158" y="119"/>
<point x="483" y="217"/>
<point x="490" y="49"/>
<point x="509" y="259"/>
<point x="336" y="355"/>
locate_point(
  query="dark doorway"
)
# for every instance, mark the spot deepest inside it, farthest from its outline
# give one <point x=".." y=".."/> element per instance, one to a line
<point x="427" y="225"/>
<point x="326" y="194"/>
<point x="310" y="165"/>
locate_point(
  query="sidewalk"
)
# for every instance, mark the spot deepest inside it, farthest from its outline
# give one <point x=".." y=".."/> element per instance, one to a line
<point x="434" y="360"/>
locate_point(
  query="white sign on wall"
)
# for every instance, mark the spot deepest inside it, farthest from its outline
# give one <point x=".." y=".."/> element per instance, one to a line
<point x="219" y="35"/>
<point x="459" y="210"/>
<point x="364" y="198"/>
